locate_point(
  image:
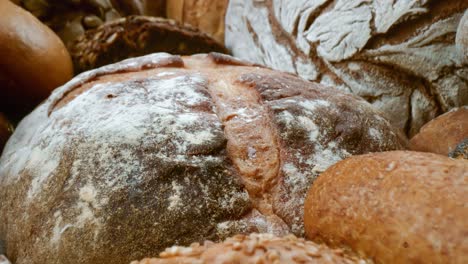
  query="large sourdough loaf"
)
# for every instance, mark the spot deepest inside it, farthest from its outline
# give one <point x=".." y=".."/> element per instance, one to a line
<point x="393" y="207"/>
<point x="131" y="158"/>
<point x="399" y="55"/>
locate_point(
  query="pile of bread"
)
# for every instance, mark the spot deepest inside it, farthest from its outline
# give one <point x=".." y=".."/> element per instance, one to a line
<point x="134" y="137"/>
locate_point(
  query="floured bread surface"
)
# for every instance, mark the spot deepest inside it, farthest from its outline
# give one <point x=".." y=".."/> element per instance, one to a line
<point x="399" y="55"/>
<point x="162" y="150"/>
<point x="255" y="248"/>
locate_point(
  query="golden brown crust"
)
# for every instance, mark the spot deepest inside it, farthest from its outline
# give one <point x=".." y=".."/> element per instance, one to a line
<point x="393" y="207"/>
<point x="255" y="248"/>
<point x="443" y="134"/>
<point x="33" y="59"/>
<point x="207" y="15"/>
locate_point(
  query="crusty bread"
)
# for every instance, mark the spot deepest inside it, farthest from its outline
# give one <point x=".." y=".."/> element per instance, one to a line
<point x="443" y="134"/>
<point x="399" y="55"/>
<point x="393" y="207"/>
<point x="131" y="158"/>
<point x="33" y="60"/>
<point x="137" y="36"/>
<point x="206" y="15"/>
<point x="254" y="249"/>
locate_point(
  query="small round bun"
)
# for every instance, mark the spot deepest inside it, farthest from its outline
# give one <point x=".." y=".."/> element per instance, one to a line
<point x="255" y="248"/>
<point x="393" y="207"/>
<point x="443" y="134"/>
<point x="33" y="62"/>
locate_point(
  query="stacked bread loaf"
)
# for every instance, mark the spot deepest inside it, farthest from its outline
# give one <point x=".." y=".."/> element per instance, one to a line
<point x="171" y="158"/>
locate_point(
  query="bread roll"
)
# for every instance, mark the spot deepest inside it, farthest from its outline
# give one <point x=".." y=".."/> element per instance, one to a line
<point x="252" y="249"/>
<point x="33" y="60"/>
<point x="136" y="36"/>
<point x="443" y="134"/>
<point x="206" y="15"/>
<point x="393" y="207"/>
<point x="134" y="157"/>
<point x="399" y="55"/>
<point x="6" y="129"/>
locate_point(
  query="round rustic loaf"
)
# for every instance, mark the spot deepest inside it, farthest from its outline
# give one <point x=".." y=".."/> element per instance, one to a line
<point x="206" y="15"/>
<point x="33" y="60"/>
<point x="393" y="207"/>
<point x="253" y="249"/>
<point x="134" y="157"/>
<point x="137" y="36"/>
<point x="443" y="134"/>
<point x="398" y="55"/>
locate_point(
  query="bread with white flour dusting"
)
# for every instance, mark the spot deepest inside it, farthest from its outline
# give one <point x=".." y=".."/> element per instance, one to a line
<point x="162" y="150"/>
<point x="399" y="55"/>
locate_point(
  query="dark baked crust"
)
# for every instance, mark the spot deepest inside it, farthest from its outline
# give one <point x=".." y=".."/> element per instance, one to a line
<point x="136" y="36"/>
<point x="393" y="207"/>
<point x="133" y="157"/>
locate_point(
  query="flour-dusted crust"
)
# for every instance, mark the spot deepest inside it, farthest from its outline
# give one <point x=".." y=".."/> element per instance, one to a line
<point x="255" y="248"/>
<point x="462" y="37"/>
<point x="399" y="55"/>
<point x="133" y="157"/>
<point x="442" y="134"/>
<point x="393" y="207"/>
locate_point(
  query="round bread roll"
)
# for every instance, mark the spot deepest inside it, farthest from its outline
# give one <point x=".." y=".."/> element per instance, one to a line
<point x="206" y="15"/>
<point x="399" y="55"/>
<point x="6" y="129"/>
<point x="137" y="36"/>
<point x="443" y="134"/>
<point x="134" y="157"/>
<point x="393" y="207"/>
<point x="33" y="60"/>
<point x="253" y="249"/>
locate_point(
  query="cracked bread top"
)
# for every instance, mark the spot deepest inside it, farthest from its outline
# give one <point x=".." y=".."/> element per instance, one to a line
<point x="133" y="157"/>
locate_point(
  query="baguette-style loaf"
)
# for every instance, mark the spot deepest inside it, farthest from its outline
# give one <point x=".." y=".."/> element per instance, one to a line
<point x="254" y="249"/>
<point x="399" y="55"/>
<point x="442" y="134"/>
<point x="393" y="207"/>
<point x="131" y="158"/>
